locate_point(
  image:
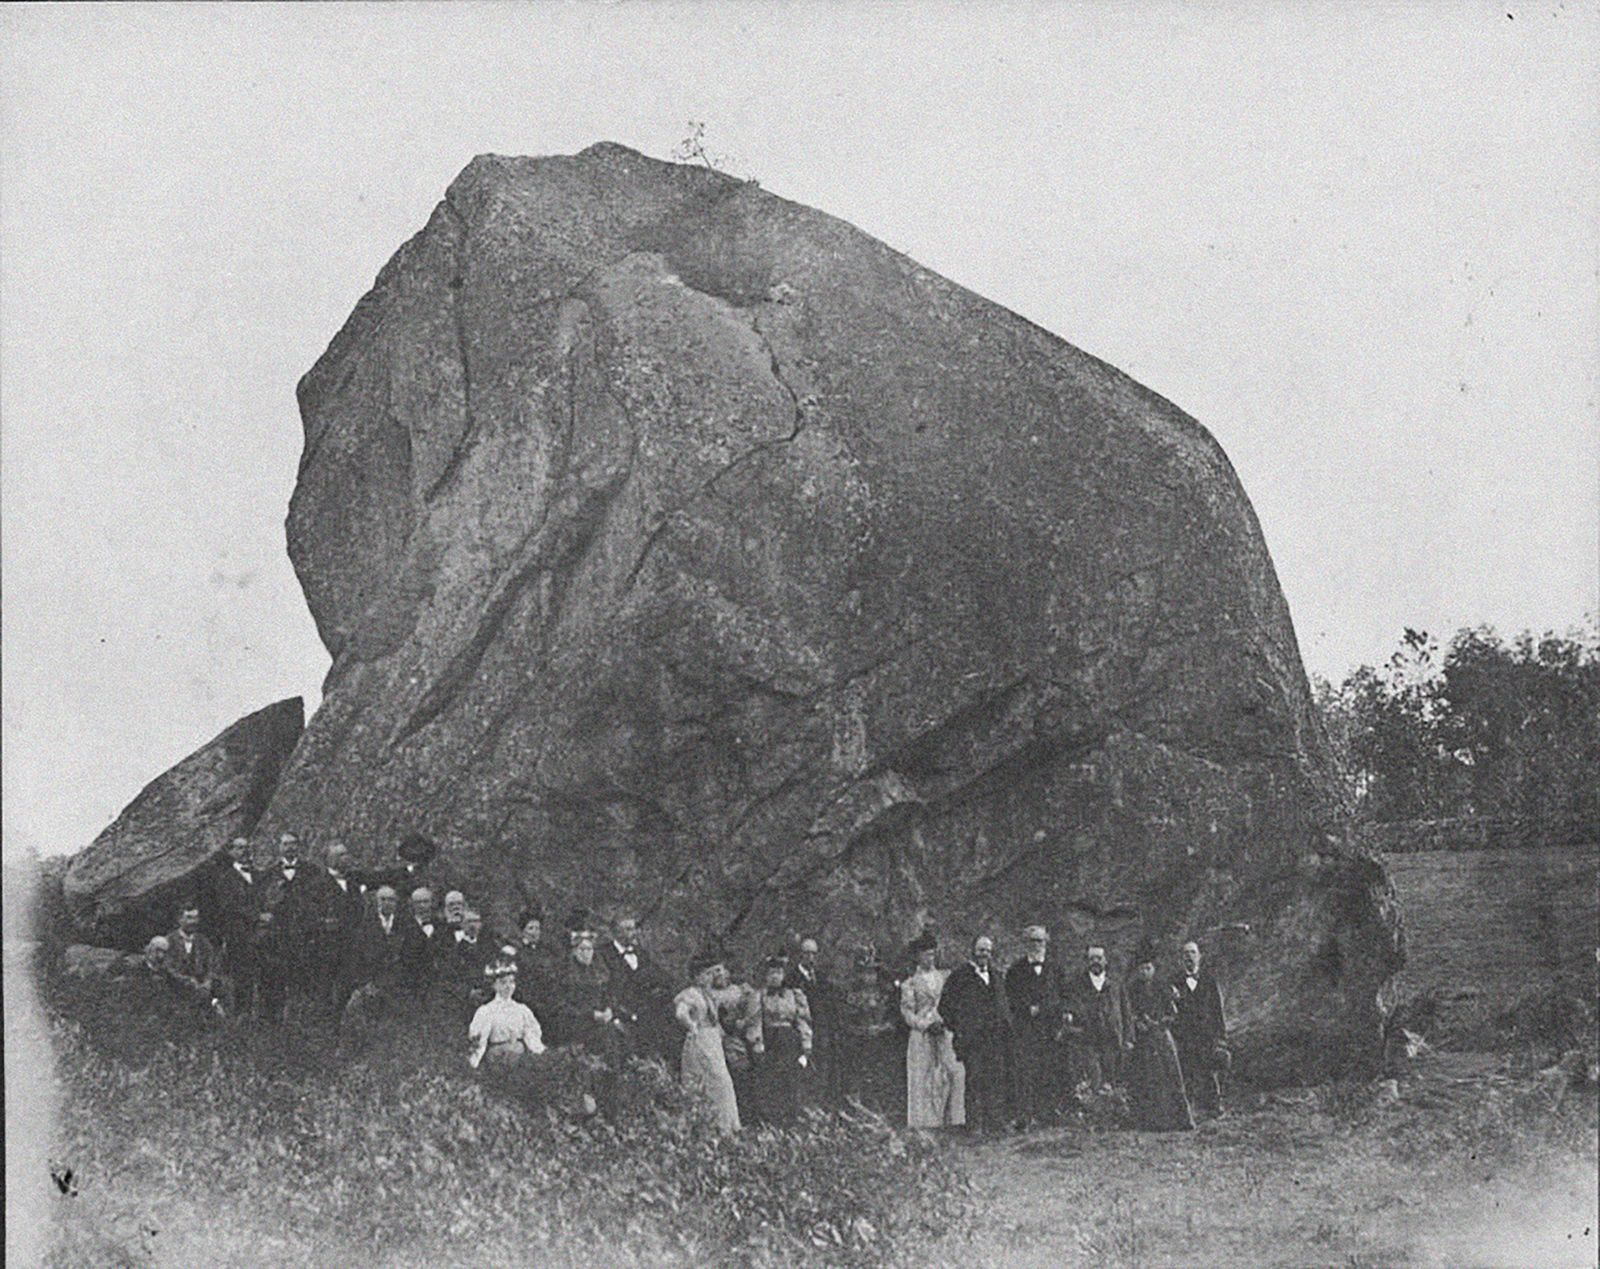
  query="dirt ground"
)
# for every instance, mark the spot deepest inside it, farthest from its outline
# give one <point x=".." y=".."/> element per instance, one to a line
<point x="1293" y="1181"/>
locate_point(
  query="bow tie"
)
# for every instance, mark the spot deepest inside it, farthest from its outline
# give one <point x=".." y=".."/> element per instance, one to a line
<point x="628" y="951"/>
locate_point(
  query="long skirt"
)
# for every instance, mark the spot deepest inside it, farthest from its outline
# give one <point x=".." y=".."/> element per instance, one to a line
<point x="935" y="1082"/>
<point x="706" y="1079"/>
<point x="1155" y="1084"/>
<point x="777" y="1075"/>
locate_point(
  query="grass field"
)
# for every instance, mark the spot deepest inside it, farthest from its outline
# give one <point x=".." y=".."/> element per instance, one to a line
<point x="1465" y="1167"/>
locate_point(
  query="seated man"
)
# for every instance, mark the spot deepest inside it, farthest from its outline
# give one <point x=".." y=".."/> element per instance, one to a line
<point x="194" y="964"/>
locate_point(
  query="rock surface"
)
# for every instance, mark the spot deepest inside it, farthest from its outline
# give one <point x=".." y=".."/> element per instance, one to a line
<point x="80" y="960"/>
<point x="126" y="876"/>
<point x="681" y="547"/>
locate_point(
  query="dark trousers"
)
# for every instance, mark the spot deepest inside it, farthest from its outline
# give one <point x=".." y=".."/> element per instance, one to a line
<point x="1201" y="1076"/>
<point x="272" y="991"/>
<point x="1039" y="1073"/>
<point x="988" y="1082"/>
<point x="1098" y="1060"/>
<point x="241" y="965"/>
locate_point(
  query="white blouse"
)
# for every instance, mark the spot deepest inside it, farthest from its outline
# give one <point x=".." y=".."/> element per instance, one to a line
<point x="503" y="1022"/>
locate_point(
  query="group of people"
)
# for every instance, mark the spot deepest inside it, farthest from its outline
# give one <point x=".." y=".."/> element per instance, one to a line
<point x="992" y="1049"/>
<point x="978" y="1047"/>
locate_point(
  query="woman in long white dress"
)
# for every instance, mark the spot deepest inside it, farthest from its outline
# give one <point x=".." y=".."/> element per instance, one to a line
<point x="705" y="1068"/>
<point x="504" y="1030"/>
<point x="935" y="1081"/>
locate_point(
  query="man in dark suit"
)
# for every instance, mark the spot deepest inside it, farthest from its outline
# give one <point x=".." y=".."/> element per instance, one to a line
<point x="640" y="992"/>
<point x="1036" y="995"/>
<point x="381" y="950"/>
<point x="806" y="974"/>
<point x="345" y="905"/>
<point x="974" y="1008"/>
<point x="295" y="899"/>
<point x="424" y="954"/>
<point x="466" y="956"/>
<point x="232" y="898"/>
<point x="194" y="963"/>
<point x="1201" y="1032"/>
<point x="1098" y="1023"/>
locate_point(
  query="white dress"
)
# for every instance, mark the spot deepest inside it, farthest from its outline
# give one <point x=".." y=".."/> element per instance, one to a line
<point x="935" y="1081"/>
<point x="504" y="1030"/>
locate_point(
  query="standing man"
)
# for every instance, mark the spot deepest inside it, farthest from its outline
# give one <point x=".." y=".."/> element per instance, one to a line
<point x="804" y="974"/>
<point x="1098" y="1021"/>
<point x="1201" y="1032"/>
<point x="346" y="904"/>
<point x="639" y="991"/>
<point x="379" y="953"/>
<point x="974" y="1008"/>
<point x="468" y="956"/>
<point x="233" y="900"/>
<point x="295" y="900"/>
<point x="423" y="953"/>
<point x="1036" y="995"/>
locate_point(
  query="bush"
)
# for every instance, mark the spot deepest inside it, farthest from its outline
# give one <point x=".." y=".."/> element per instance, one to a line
<point x="244" y="1144"/>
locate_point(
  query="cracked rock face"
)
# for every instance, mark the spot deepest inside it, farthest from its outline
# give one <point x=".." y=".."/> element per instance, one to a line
<point x="681" y="547"/>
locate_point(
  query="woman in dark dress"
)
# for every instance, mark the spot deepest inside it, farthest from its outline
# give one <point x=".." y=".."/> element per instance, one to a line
<point x="778" y="1032"/>
<point x="1155" y="1080"/>
<point x="583" y="992"/>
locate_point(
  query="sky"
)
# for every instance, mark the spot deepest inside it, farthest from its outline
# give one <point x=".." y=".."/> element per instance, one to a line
<point x="1357" y="241"/>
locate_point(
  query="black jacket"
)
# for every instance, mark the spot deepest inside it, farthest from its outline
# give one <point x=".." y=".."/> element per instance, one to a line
<point x="976" y="1015"/>
<point x="1098" y="1018"/>
<point x="1037" y="997"/>
<point x="1200" y="1024"/>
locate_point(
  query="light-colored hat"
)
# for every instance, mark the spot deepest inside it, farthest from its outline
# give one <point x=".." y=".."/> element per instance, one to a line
<point x="1094" y="950"/>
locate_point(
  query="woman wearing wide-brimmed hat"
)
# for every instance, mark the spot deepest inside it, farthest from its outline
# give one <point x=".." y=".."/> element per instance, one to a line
<point x="1155" y="1080"/>
<point x="935" y="1081"/>
<point x="705" y="1069"/>
<point x="504" y="1031"/>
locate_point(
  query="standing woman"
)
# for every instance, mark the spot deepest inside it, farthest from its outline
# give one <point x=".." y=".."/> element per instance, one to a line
<point x="1155" y="1080"/>
<point x="778" y="1032"/>
<point x="705" y="1070"/>
<point x="935" y="1082"/>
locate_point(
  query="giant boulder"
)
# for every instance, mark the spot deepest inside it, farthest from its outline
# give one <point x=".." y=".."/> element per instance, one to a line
<point x="123" y="882"/>
<point x="684" y="548"/>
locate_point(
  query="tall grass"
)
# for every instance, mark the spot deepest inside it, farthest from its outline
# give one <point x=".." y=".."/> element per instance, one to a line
<point x="247" y="1145"/>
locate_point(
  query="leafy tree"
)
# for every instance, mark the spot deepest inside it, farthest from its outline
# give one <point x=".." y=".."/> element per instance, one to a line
<point x="1479" y="728"/>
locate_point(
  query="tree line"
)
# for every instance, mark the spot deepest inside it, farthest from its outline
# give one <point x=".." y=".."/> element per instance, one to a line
<point x="1480" y="728"/>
